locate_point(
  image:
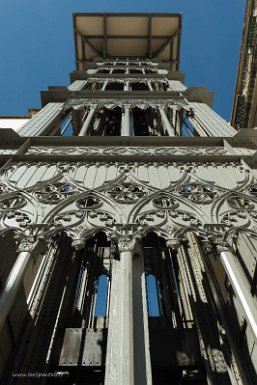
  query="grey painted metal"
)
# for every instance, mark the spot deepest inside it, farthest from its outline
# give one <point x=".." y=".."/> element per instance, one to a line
<point x="128" y="357"/>
<point x="126" y="320"/>
<point x="180" y="187"/>
<point x="240" y="286"/>
<point x="150" y="86"/>
<point x="71" y="347"/>
<point x="142" y="359"/>
<point x="125" y="122"/>
<point x="41" y="281"/>
<point x="198" y="127"/>
<point x="104" y="85"/>
<point x="87" y="122"/>
<point x="41" y="121"/>
<point x="77" y="85"/>
<point x="12" y="285"/>
<point x="166" y="123"/>
<point x="211" y="121"/>
<point x="126" y="86"/>
<point x="132" y="128"/>
<point x="176" y="85"/>
<point x="93" y="353"/>
<point x="113" y="370"/>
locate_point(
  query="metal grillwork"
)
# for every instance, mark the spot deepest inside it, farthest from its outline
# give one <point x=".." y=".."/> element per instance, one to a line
<point x="128" y="219"/>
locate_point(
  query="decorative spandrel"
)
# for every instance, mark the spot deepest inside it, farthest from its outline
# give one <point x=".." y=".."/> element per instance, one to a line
<point x="252" y="190"/>
<point x="55" y="192"/>
<point x="127" y="193"/>
<point x="80" y="102"/>
<point x="169" y="198"/>
<point x="198" y="192"/>
<point x="13" y="201"/>
<point x="167" y="214"/>
<point x="165" y="202"/>
<point x="3" y="189"/>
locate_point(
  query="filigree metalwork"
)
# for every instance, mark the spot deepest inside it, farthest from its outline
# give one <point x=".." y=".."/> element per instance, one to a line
<point x="198" y="192"/>
<point x="252" y="189"/>
<point x="126" y="244"/>
<point x="3" y="189"/>
<point x="85" y="214"/>
<point x="14" y="201"/>
<point x="151" y="217"/>
<point x="78" y="244"/>
<point x="80" y="102"/>
<point x="32" y="245"/>
<point x="127" y="193"/>
<point x="165" y="202"/>
<point x="137" y="150"/>
<point x="85" y="197"/>
<point x="185" y="218"/>
<point x="240" y="202"/>
<point x="103" y="216"/>
<point x="69" y="217"/>
<point x="233" y="218"/>
<point x="16" y="219"/>
<point x="89" y="201"/>
<point x="54" y="193"/>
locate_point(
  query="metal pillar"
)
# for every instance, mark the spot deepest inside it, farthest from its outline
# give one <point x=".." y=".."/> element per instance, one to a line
<point x="12" y="285"/>
<point x="89" y="117"/>
<point x="150" y="86"/>
<point x="125" y="122"/>
<point x="104" y="85"/>
<point x="86" y="123"/>
<point x="166" y="123"/>
<point x="238" y="282"/>
<point x="128" y="356"/>
<point x="126" y="86"/>
<point x="14" y="280"/>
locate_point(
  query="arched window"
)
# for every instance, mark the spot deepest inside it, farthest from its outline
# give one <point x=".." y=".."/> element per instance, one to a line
<point x="153" y="303"/>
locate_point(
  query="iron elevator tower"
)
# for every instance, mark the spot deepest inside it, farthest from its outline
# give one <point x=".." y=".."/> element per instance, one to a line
<point x="128" y="223"/>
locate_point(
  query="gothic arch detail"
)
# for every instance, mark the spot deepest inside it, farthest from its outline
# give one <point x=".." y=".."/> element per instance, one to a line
<point x="80" y="198"/>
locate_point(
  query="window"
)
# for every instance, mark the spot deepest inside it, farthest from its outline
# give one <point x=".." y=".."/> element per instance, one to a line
<point x="66" y="126"/>
<point x="102" y="296"/>
<point x="152" y="296"/>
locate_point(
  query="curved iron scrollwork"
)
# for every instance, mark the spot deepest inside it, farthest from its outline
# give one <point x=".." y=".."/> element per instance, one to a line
<point x="198" y="192"/>
<point x="60" y="202"/>
<point x="244" y="210"/>
<point x="84" y="215"/>
<point x="165" y="202"/>
<point x="12" y="215"/>
<point x="87" y="202"/>
<point x="240" y="202"/>
<point x="79" y="103"/>
<point x="252" y="189"/>
<point x="54" y="192"/>
<point x="13" y="201"/>
<point x="127" y="193"/>
<point x="170" y="215"/>
<point x="3" y="189"/>
<point x="16" y="219"/>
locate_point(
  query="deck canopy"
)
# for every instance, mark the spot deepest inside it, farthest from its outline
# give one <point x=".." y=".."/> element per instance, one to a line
<point x="127" y="35"/>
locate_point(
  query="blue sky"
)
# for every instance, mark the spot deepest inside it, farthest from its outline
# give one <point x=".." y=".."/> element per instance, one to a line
<point x="36" y="45"/>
